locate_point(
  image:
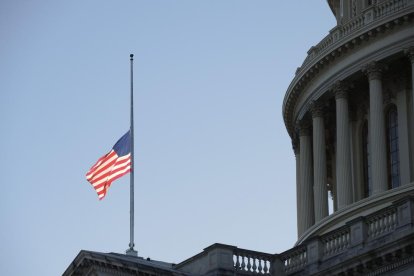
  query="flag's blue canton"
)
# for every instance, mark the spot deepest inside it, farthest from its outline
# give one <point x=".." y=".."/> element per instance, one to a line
<point x="123" y="146"/>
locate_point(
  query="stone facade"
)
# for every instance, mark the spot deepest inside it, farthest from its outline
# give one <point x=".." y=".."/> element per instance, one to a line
<point x="350" y="114"/>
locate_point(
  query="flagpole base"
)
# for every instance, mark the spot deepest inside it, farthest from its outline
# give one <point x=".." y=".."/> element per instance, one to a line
<point x="131" y="252"/>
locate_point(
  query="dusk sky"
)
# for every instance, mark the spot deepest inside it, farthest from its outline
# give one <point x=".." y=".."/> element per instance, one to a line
<point x="214" y="162"/>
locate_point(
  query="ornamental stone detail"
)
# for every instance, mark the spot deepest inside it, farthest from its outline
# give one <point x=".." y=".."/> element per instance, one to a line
<point x="341" y="90"/>
<point x="304" y="128"/>
<point x="317" y="109"/>
<point x="374" y="70"/>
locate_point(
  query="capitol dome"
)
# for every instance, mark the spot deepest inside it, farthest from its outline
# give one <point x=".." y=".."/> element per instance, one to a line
<point x="349" y="112"/>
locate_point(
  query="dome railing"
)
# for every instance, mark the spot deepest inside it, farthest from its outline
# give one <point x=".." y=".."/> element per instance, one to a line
<point x="340" y="33"/>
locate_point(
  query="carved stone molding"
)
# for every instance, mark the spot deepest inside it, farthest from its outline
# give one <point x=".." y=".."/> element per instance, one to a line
<point x="317" y="109"/>
<point x="350" y="41"/>
<point x="341" y="90"/>
<point x="304" y="128"/>
<point x="374" y="70"/>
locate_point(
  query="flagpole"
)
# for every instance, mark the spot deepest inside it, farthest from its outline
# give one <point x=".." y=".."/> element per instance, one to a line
<point x="130" y="250"/>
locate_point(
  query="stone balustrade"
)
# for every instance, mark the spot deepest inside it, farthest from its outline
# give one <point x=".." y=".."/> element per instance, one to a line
<point x="294" y="259"/>
<point x="340" y="33"/>
<point x="388" y="7"/>
<point x="382" y="222"/>
<point x="393" y="224"/>
<point x="335" y="242"/>
<point x="252" y="262"/>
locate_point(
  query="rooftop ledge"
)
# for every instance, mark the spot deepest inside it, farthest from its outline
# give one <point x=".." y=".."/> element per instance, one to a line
<point x="360" y="208"/>
<point x="361" y="237"/>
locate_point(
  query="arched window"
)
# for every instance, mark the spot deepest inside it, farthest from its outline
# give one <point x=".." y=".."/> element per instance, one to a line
<point x="366" y="160"/>
<point x="392" y="148"/>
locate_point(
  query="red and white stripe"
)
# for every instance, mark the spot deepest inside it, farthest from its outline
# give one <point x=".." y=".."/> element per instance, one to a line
<point x="106" y="170"/>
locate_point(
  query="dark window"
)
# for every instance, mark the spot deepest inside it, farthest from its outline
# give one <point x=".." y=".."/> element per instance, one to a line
<point x="366" y="161"/>
<point x="393" y="150"/>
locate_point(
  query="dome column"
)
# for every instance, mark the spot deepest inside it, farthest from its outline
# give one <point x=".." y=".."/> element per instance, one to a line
<point x="320" y="192"/>
<point x="306" y="212"/>
<point x="377" y="129"/>
<point x="403" y="137"/>
<point x="410" y="53"/>
<point x="343" y="151"/>
<point x="296" y="150"/>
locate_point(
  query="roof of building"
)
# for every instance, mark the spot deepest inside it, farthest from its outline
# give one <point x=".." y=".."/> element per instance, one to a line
<point x="87" y="260"/>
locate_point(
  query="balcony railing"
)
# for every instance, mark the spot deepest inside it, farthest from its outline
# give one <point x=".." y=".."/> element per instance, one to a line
<point x="294" y="259"/>
<point x="251" y="262"/>
<point x="388" y="225"/>
<point x="382" y="222"/>
<point x="336" y="241"/>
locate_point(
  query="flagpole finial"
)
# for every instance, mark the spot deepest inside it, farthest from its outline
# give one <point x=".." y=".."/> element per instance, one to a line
<point x="131" y="55"/>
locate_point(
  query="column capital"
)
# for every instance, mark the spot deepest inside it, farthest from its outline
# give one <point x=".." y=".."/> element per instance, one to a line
<point x="304" y="128"/>
<point x="374" y="70"/>
<point x="340" y="89"/>
<point x="296" y="146"/>
<point x="409" y="52"/>
<point x="317" y="109"/>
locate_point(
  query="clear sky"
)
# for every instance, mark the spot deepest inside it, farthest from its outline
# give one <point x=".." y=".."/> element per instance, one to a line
<point x="214" y="162"/>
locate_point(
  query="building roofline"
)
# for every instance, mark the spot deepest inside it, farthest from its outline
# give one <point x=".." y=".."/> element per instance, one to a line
<point x="119" y="261"/>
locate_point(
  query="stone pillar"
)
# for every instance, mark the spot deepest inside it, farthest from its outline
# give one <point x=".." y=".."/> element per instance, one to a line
<point x="277" y="266"/>
<point x="405" y="213"/>
<point x="355" y="155"/>
<point x="377" y="129"/>
<point x="358" y="152"/>
<point x="296" y="150"/>
<point x="306" y="179"/>
<point x="404" y="150"/>
<point x="358" y="233"/>
<point x="343" y="147"/>
<point x="314" y="255"/>
<point x="334" y="190"/>
<point x="320" y="192"/>
<point x="410" y="53"/>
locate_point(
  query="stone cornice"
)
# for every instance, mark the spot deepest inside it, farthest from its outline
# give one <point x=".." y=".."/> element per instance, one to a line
<point x="342" y="39"/>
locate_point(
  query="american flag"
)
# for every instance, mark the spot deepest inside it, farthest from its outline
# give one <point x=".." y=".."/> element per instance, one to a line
<point x="111" y="166"/>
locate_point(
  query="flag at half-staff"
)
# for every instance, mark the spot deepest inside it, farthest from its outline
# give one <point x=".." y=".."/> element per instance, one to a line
<point x="111" y="166"/>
